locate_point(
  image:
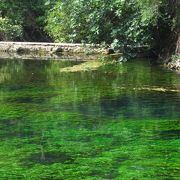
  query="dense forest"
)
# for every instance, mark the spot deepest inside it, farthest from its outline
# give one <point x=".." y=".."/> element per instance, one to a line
<point x="122" y="24"/>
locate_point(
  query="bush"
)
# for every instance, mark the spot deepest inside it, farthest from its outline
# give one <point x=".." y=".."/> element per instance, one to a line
<point x="9" y="31"/>
<point x="114" y="22"/>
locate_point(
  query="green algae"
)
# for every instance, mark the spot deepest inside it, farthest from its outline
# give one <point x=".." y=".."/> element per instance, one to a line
<point x="88" y="125"/>
<point x="86" y="66"/>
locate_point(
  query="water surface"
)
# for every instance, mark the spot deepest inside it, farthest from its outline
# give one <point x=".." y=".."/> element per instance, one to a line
<point x="118" y="122"/>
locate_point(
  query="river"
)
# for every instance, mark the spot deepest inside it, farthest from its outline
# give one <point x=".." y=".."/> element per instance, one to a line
<point x="120" y="121"/>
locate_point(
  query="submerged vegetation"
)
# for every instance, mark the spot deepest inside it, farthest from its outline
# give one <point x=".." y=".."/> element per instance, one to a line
<point x="121" y="24"/>
<point x="118" y="122"/>
<point x="86" y="66"/>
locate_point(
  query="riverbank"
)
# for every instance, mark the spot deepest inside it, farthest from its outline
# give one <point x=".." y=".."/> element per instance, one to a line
<point x="48" y="56"/>
<point x="50" y="48"/>
<point x="48" y="51"/>
<point x="174" y="65"/>
<point x="64" y="51"/>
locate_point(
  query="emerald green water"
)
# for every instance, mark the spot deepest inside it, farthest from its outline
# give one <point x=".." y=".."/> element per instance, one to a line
<point x="118" y="122"/>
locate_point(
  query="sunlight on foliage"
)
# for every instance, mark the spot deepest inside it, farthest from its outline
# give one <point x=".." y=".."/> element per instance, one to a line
<point x="9" y="31"/>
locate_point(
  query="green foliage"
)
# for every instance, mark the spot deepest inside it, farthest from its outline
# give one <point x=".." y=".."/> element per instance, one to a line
<point x="149" y="9"/>
<point x="163" y="15"/>
<point x="30" y="15"/>
<point x="117" y="22"/>
<point x="9" y="31"/>
<point x="121" y="24"/>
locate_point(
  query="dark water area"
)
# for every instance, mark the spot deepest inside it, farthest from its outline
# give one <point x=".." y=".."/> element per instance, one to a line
<point x="120" y="121"/>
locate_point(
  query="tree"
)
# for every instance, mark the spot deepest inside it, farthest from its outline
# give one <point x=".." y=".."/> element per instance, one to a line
<point x="30" y="15"/>
<point x="113" y="22"/>
<point x="165" y="15"/>
<point x="9" y="31"/>
<point x="123" y="24"/>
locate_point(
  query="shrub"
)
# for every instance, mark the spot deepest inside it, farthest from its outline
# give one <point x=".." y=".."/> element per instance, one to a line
<point x="9" y="31"/>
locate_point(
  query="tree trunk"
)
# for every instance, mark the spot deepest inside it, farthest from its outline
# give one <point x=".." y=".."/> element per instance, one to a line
<point x="177" y="17"/>
<point x="178" y="45"/>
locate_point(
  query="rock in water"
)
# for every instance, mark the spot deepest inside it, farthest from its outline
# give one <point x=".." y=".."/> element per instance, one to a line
<point x="109" y="51"/>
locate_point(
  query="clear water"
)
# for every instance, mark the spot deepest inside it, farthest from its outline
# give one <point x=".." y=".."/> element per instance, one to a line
<point x="118" y="122"/>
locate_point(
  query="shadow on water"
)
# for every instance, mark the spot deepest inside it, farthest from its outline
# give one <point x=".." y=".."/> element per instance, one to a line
<point x="170" y="134"/>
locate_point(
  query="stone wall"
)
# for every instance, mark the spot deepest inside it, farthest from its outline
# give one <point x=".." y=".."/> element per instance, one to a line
<point x="50" y="48"/>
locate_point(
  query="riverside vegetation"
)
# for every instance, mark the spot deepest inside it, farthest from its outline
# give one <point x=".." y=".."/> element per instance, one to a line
<point x="121" y="24"/>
